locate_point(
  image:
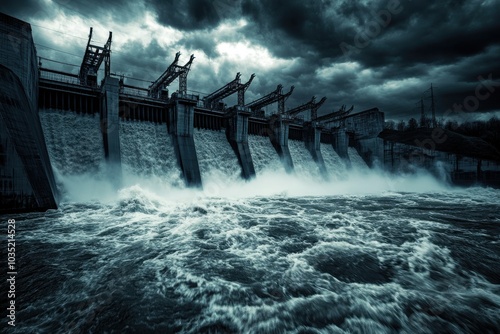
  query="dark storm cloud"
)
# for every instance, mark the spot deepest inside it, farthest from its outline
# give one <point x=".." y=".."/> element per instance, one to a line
<point x="22" y="9"/>
<point x="481" y="64"/>
<point x="194" y="14"/>
<point x="283" y="25"/>
<point x="146" y="62"/>
<point x="419" y="39"/>
<point x="409" y="44"/>
<point x="417" y="31"/>
<point x="92" y="9"/>
<point x="436" y="32"/>
<point x="200" y="42"/>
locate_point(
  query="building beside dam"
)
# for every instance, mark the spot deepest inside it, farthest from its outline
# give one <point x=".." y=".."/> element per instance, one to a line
<point x="460" y="159"/>
<point x="26" y="177"/>
<point x="101" y="108"/>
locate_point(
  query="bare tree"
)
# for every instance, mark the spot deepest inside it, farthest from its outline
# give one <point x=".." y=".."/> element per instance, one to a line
<point x="412" y="124"/>
<point x="401" y="126"/>
<point x="391" y="125"/>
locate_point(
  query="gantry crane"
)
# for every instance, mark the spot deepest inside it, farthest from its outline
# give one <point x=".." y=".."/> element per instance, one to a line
<point x="335" y="116"/>
<point x="275" y="96"/>
<point x="170" y="74"/>
<point x="92" y="60"/>
<point x="212" y="100"/>
<point x="311" y="105"/>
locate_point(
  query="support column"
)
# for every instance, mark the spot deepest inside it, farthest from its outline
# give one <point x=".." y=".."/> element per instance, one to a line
<point x="181" y="127"/>
<point x="340" y="142"/>
<point x="312" y="140"/>
<point x="237" y="135"/>
<point x="280" y="128"/>
<point x="110" y="126"/>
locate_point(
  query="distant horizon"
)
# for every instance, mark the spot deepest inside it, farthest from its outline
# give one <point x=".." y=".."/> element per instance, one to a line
<point x="385" y="54"/>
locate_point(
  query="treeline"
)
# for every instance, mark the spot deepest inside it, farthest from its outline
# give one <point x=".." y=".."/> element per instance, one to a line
<point x="486" y="130"/>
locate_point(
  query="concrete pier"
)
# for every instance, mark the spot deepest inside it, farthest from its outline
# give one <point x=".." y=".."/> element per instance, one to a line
<point x="110" y="121"/>
<point x="371" y="150"/>
<point x="181" y="127"/>
<point x="364" y="128"/>
<point x="280" y="127"/>
<point x="237" y="135"/>
<point x="312" y="141"/>
<point x="110" y="126"/>
<point x="340" y="142"/>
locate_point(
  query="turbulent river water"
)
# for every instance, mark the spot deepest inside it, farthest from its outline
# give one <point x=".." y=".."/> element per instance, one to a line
<point x="356" y="252"/>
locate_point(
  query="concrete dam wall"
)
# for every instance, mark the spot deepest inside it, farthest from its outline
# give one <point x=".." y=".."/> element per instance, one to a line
<point x="180" y="117"/>
<point x="26" y="179"/>
<point x="76" y="143"/>
<point x="147" y="150"/>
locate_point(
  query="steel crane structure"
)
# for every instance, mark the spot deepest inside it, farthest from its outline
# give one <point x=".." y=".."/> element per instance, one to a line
<point x="212" y="100"/>
<point x="92" y="60"/>
<point x="311" y="105"/>
<point x="173" y="72"/>
<point x="334" y="116"/>
<point x="275" y="96"/>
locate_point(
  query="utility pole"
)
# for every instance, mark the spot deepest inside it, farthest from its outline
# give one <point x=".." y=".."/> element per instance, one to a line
<point x="423" y="121"/>
<point x="433" y="108"/>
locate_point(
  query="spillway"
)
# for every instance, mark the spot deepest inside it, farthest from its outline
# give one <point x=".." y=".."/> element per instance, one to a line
<point x="356" y="160"/>
<point x="147" y="150"/>
<point x="264" y="155"/>
<point x="74" y="141"/>
<point x="215" y="155"/>
<point x="335" y="166"/>
<point x="304" y="165"/>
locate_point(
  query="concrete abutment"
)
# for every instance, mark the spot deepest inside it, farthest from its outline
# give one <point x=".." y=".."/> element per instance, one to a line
<point x="110" y="127"/>
<point x="237" y="135"/>
<point x="279" y="138"/>
<point x="312" y="141"/>
<point x="181" y="128"/>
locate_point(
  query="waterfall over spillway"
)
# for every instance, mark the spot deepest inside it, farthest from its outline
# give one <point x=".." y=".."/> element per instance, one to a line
<point x="303" y="163"/>
<point x="335" y="165"/>
<point x="264" y="155"/>
<point x="74" y="141"/>
<point x="75" y="146"/>
<point x="215" y="156"/>
<point x="147" y="150"/>
<point x="356" y="160"/>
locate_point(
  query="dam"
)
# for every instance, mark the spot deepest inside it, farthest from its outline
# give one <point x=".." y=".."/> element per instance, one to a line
<point x="54" y="121"/>
<point x="110" y="123"/>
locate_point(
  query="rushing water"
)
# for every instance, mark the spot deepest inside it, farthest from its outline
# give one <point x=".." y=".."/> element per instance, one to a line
<point x="334" y="164"/>
<point x="147" y="151"/>
<point x="363" y="252"/>
<point x="356" y="160"/>
<point x="264" y="156"/>
<point x="73" y="141"/>
<point x="215" y="155"/>
<point x="304" y="166"/>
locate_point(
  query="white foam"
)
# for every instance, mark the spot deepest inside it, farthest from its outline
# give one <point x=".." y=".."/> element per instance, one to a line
<point x="216" y="158"/>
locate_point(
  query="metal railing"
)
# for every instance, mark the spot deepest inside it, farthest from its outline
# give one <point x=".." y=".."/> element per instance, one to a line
<point x="59" y="76"/>
<point x="298" y="120"/>
<point x="134" y="91"/>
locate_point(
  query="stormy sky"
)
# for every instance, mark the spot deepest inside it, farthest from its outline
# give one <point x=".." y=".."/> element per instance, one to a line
<point x="379" y="53"/>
